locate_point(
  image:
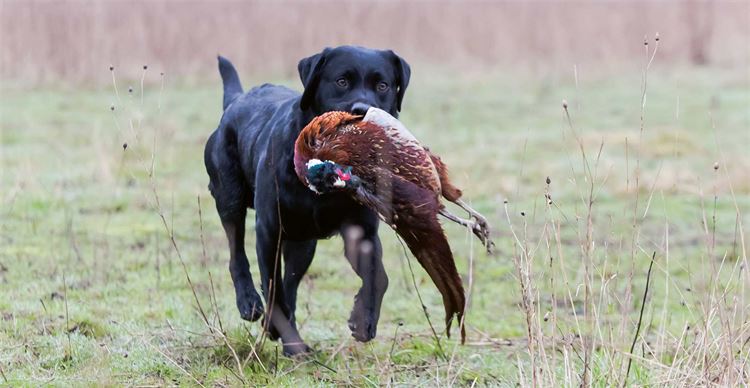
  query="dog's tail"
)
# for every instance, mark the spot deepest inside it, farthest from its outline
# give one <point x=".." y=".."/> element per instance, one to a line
<point x="232" y="86"/>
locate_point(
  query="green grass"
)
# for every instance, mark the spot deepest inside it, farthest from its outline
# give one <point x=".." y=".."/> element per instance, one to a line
<point x="79" y="225"/>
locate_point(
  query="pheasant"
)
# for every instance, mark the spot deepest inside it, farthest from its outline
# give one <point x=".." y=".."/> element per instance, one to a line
<point x="384" y="167"/>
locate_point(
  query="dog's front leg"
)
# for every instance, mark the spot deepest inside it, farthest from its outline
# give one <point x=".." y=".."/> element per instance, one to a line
<point x="364" y="252"/>
<point x="276" y="322"/>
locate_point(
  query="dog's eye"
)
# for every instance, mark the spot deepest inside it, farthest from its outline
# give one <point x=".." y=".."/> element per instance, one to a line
<point x="382" y="87"/>
<point x="342" y="82"/>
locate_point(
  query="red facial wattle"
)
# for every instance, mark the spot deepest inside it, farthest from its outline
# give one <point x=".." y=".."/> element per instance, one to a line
<point x="344" y="176"/>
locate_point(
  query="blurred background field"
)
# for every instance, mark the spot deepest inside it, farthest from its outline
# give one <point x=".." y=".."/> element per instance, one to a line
<point x="92" y="292"/>
<point x="75" y="41"/>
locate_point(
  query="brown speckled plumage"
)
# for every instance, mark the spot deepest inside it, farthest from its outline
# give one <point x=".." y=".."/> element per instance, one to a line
<point x="402" y="180"/>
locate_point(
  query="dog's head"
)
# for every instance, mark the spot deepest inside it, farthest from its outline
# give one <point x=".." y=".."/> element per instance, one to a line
<point x="353" y="79"/>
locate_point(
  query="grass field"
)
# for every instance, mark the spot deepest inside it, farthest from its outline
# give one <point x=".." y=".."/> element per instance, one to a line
<point x="92" y="291"/>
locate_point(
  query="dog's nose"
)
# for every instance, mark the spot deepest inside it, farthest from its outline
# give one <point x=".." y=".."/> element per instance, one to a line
<point x="360" y="108"/>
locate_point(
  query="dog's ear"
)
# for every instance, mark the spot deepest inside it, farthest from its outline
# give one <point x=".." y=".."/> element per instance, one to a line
<point x="309" y="73"/>
<point x="403" y="73"/>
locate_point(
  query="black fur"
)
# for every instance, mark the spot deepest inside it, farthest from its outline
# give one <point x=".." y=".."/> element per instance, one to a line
<point x="249" y="163"/>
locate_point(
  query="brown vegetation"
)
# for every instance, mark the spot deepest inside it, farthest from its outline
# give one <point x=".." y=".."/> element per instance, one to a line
<point x="76" y="41"/>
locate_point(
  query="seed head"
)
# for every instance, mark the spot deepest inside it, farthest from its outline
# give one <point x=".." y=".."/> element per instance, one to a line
<point x="124" y="146"/>
<point x="145" y="67"/>
<point x="111" y="68"/>
<point x="112" y="107"/>
<point x="548" y="180"/>
<point x="130" y="89"/>
<point x="505" y="201"/>
<point x="716" y="166"/>
<point x="657" y="37"/>
<point x="523" y="214"/>
<point x="565" y="104"/>
<point x="645" y="40"/>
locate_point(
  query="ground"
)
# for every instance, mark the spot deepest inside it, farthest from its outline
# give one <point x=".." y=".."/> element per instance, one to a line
<point x="95" y="293"/>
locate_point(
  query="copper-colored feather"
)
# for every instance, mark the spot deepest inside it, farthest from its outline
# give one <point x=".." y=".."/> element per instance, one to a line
<point x="402" y="181"/>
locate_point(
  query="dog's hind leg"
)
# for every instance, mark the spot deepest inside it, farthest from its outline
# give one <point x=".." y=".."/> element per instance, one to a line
<point x="365" y="254"/>
<point x="297" y="258"/>
<point x="232" y="197"/>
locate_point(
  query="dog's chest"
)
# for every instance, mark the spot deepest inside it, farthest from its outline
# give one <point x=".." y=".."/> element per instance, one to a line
<point x="307" y="216"/>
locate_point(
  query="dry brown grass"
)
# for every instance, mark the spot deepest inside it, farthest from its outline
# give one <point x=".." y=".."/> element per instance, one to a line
<point x="75" y="41"/>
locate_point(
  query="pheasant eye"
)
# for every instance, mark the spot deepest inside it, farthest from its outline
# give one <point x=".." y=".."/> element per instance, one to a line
<point x="342" y="83"/>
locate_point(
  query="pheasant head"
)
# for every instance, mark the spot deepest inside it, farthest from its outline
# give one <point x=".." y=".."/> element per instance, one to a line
<point x="315" y="162"/>
<point x="326" y="176"/>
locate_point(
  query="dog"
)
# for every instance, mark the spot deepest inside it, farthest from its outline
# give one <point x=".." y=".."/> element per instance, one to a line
<point x="249" y="160"/>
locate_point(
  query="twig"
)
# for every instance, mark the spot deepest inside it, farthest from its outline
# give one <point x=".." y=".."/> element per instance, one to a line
<point x="2" y="373"/>
<point x="395" y="337"/>
<point x="324" y="366"/>
<point x="271" y="300"/>
<point x="114" y="83"/>
<point x="338" y="350"/>
<point x="523" y="267"/>
<point x="143" y="77"/>
<point x="637" y="173"/>
<point x="150" y="171"/>
<point x="203" y="241"/>
<point x="589" y="242"/>
<point x="67" y="321"/>
<point x="213" y="301"/>
<point x="640" y="319"/>
<point x="175" y="363"/>
<point x="221" y="331"/>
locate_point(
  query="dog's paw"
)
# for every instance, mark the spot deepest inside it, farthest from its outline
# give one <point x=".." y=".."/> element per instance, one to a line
<point x="363" y="328"/>
<point x="297" y="350"/>
<point x="250" y="306"/>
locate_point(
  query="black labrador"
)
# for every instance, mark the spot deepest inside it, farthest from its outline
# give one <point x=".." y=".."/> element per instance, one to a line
<point x="249" y="159"/>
